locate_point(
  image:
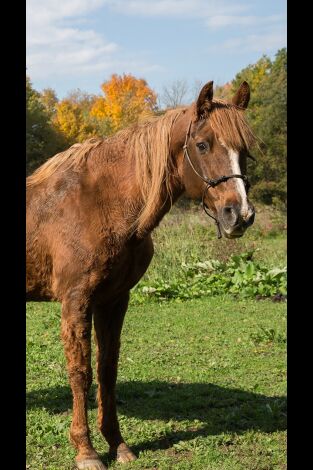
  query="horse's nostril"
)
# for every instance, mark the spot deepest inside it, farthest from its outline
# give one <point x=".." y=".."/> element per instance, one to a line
<point x="230" y="215"/>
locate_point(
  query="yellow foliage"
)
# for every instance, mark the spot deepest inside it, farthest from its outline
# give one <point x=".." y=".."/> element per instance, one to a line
<point x="70" y="119"/>
<point x="125" y="100"/>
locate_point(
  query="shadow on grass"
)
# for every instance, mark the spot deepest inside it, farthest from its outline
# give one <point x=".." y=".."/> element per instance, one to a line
<point x="219" y="409"/>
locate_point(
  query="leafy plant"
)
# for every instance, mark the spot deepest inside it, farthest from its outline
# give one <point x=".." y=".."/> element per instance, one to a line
<point x="240" y="276"/>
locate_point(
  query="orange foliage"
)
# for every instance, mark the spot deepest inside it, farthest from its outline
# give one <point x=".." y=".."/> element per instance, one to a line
<point x="125" y="100"/>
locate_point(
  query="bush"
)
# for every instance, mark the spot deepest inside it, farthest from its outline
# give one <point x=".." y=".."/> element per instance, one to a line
<point x="240" y="276"/>
<point x="268" y="192"/>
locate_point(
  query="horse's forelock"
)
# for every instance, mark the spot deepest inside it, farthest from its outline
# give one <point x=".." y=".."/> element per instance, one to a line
<point x="229" y="124"/>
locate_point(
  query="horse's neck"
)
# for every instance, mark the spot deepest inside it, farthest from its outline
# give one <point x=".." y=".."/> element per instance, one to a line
<point x="161" y="208"/>
<point x="122" y="190"/>
<point x="164" y="203"/>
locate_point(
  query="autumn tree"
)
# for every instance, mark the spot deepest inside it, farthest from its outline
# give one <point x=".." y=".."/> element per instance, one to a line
<point x="49" y="100"/>
<point x="126" y="99"/>
<point x="72" y="117"/>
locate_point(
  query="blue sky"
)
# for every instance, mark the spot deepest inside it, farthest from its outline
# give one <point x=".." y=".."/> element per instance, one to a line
<point x="79" y="43"/>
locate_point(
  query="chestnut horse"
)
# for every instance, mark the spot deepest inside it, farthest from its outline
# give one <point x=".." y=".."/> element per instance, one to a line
<point x="90" y="213"/>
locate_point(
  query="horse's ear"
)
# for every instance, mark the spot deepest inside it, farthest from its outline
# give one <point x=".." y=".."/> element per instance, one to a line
<point x="204" y="102"/>
<point x="242" y="97"/>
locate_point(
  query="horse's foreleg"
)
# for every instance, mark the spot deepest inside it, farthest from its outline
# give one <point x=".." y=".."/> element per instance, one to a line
<point x="108" y="325"/>
<point x="76" y="333"/>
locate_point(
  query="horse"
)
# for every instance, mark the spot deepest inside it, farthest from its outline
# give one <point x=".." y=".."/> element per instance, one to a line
<point x="90" y="213"/>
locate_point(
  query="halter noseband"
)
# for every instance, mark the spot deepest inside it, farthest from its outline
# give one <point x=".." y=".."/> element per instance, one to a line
<point x="211" y="183"/>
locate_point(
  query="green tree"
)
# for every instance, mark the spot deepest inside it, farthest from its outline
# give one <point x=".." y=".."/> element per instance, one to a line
<point x="42" y="140"/>
<point x="49" y="100"/>
<point x="267" y="114"/>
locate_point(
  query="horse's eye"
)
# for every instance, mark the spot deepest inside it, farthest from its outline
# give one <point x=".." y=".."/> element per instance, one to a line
<point x="201" y="146"/>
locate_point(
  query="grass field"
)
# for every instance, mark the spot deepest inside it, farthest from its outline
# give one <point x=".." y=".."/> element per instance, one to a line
<point x="201" y="383"/>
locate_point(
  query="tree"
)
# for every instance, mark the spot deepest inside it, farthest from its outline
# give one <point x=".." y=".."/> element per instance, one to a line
<point x="255" y="75"/>
<point x="49" y="100"/>
<point x="267" y="114"/>
<point x="174" y="94"/>
<point x="272" y="128"/>
<point x="42" y="140"/>
<point x="224" y="92"/>
<point x="126" y="99"/>
<point x="72" y="117"/>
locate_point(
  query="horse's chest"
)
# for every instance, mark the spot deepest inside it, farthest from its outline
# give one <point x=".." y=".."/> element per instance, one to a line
<point x="127" y="270"/>
<point x="134" y="263"/>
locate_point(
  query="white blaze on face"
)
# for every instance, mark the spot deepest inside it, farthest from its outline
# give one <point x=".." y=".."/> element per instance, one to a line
<point x="235" y="168"/>
<point x="234" y="164"/>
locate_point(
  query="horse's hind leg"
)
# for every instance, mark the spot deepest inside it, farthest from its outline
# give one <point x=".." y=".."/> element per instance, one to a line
<point x="108" y="323"/>
<point x="76" y="335"/>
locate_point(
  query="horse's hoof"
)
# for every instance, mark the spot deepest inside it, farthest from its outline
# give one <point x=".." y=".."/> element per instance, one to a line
<point x="90" y="464"/>
<point x="124" y="454"/>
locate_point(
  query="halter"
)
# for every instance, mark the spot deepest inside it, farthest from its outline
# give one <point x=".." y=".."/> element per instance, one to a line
<point x="211" y="183"/>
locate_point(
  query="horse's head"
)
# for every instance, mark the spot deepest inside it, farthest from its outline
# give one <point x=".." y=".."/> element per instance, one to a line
<point x="215" y="152"/>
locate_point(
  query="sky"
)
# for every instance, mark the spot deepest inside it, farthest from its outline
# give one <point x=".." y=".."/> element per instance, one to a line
<point x="73" y="44"/>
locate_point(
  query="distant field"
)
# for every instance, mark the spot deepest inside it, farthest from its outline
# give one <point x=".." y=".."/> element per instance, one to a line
<point x="188" y="234"/>
<point x="201" y="383"/>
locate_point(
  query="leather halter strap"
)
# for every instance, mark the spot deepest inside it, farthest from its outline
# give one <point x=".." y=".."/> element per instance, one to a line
<point x="210" y="182"/>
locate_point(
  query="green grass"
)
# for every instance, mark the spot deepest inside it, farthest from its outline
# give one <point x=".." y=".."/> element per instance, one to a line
<point x="189" y="235"/>
<point x="201" y="383"/>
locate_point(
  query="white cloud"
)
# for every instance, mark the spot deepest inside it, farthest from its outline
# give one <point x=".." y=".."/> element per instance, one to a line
<point x="262" y="34"/>
<point x="54" y="46"/>
<point x="266" y="31"/>
<point x="62" y="43"/>
<point x="216" y="14"/>
<point x="58" y="45"/>
<point x="47" y="11"/>
<point x="220" y="21"/>
<point x="174" y="8"/>
<point x="264" y="43"/>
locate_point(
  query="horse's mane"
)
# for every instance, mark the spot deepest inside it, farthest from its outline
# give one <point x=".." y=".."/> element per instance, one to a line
<point x="70" y="158"/>
<point x="149" y="144"/>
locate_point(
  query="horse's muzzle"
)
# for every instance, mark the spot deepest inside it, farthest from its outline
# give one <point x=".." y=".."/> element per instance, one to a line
<point x="233" y="222"/>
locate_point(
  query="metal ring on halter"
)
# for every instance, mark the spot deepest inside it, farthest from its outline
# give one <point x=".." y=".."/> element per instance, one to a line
<point x="211" y="183"/>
